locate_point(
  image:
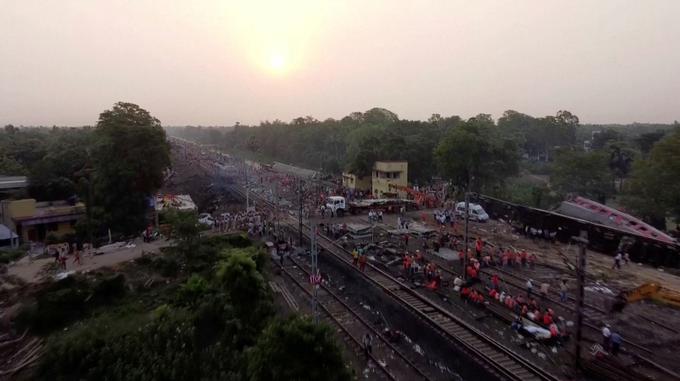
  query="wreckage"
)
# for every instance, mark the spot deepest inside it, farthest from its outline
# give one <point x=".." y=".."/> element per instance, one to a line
<point x="609" y="230"/>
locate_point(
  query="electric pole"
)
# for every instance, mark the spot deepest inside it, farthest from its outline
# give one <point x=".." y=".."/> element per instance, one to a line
<point x="467" y="219"/>
<point x="245" y="167"/>
<point x="316" y="275"/>
<point x="582" y="241"/>
<point x="300" y="212"/>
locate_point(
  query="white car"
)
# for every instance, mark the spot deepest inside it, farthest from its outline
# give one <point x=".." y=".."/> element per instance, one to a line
<point x="206" y="219"/>
<point x="477" y="213"/>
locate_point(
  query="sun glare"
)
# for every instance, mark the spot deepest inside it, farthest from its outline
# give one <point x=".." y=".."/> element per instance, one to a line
<point x="277" y="63"/>
<point x="277" y="37"/>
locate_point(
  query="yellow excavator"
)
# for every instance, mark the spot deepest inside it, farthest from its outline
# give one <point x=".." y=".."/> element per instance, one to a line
<point x="650" y="291"/>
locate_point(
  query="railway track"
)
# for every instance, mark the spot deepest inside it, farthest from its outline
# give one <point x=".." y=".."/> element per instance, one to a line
<point x="342" y="315"/>
<point x="595" y="316"/>
<point x="516" y="368"/>
<point x="596" y="313"/>
<point x="495" y="356"/>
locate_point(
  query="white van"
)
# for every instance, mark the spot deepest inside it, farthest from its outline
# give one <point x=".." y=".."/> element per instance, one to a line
<point x="477" y="213"/>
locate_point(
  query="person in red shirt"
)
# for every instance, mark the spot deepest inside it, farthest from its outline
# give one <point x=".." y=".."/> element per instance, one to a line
<point x="493" y="293"/>
<point x="479" y="246"/>
<point x="547" y="319"/>
<point x="362" y="262"/>
<point x="495" y="281"/>
<point x="511" y="257"/>
<point x="532" y="260"/>
<point x="472" y="273"/>
<point x="464" y="293"/>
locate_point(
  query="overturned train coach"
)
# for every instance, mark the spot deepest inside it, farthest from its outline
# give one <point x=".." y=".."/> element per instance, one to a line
<point x="643" y="245"/>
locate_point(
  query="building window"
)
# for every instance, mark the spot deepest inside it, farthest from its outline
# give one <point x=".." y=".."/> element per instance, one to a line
<point x="52" y="227"/>
<point x="395" y="175"/>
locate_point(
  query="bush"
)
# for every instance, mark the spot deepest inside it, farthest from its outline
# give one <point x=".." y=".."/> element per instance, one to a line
<point x="67" y="300"/>
<point x="167" y="266"/>
<point x="193" y="290"/>
<point x="296" y="349"/>
<point x="7" y="256"/>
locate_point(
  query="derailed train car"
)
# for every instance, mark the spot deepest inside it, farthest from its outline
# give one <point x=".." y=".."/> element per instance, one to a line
<point x="602" y="238"/>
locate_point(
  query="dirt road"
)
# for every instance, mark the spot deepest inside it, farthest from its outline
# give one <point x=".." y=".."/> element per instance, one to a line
<point x="33" y="271"/>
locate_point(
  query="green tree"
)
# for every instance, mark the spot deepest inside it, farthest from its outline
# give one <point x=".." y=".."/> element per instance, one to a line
<point x="296" y="349"/>
<point x="474" y="154"/>
<point x="584" y="173"/>
<point x="185" y="227"/>
<point x="239" y="277"/>
<point x="647" y="140"/>
<point x="10" y="167"/>
<point x="131" y="155"/>
<point x="654" y="187"/>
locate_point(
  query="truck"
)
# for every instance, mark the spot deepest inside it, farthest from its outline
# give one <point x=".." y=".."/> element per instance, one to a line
<point x="339" y="206"/>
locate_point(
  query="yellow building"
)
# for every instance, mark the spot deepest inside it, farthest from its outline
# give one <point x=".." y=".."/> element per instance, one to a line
<point x="386" y="173"/>
<point x="357" y="183"/>
<point x="33" y="221"/>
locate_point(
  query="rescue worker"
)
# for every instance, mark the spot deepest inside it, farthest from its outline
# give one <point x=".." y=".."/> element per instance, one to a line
<point x="544" y="289"/>
<point x="362" y="262"/>
<point x="530" y="287"/>
<point x="563" y="291"/>
<point x="616" y="341"/>
<point x="355" y="256"/>
<point x="606" y="337"/>
<point x="479" y="246"/>
<point x="367" y="343"/>
<point x="495" y="282"/>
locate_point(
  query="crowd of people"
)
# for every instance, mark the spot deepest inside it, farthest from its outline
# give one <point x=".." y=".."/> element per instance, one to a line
<point x="255" y="223"/>
<point x="61" y="251"/>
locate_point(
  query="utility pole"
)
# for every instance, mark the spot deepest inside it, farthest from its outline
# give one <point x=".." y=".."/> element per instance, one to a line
<point x="300" y="212"/>
<point x="316" y="275"/>
<point x="90" y="203"/>
<point x="467" y="218"/>
<point x="245" y="167"/>
<point x="582" y="241"/>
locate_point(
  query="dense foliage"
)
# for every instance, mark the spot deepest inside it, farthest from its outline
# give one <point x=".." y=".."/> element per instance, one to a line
<point x="120" y="163"/>
<point x="277" y="353"/>
<point x="654" y="189"/>
<point x="213" y="319"/>
<point x="476" y="155"/>
<point x="583" y="173"/>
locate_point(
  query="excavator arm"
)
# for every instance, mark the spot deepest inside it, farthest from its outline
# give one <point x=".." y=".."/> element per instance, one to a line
<point x="647" y="291"/>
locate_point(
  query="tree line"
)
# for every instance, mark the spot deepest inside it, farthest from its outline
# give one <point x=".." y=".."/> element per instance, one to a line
<point x="115" y="166"/>
<point x="536" y="161"/>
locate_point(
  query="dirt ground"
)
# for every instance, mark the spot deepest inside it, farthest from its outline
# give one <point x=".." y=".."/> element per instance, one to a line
<point x="36" y="270"/>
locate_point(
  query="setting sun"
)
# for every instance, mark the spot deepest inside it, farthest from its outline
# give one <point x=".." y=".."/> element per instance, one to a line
<point x="277" y="63"/>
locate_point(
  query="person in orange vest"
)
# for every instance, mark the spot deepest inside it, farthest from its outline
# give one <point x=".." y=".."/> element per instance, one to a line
<point x="524" y="256"/>
<point x="479" y="246"/>
<point x="495" y="282"/>
<point x="408" y="263"/>
<point x="362" y="261"/>
<point x="532" y="260"/>
<point x="547" y="318"/>
<point x="511" y="257"/>
<point x="465" y="293"/>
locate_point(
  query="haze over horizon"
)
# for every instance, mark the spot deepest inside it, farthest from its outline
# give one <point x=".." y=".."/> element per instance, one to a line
<point x="222" y="62"/>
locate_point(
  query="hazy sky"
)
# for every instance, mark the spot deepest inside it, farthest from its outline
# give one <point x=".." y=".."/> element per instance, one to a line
<point x="217" y="62"/>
